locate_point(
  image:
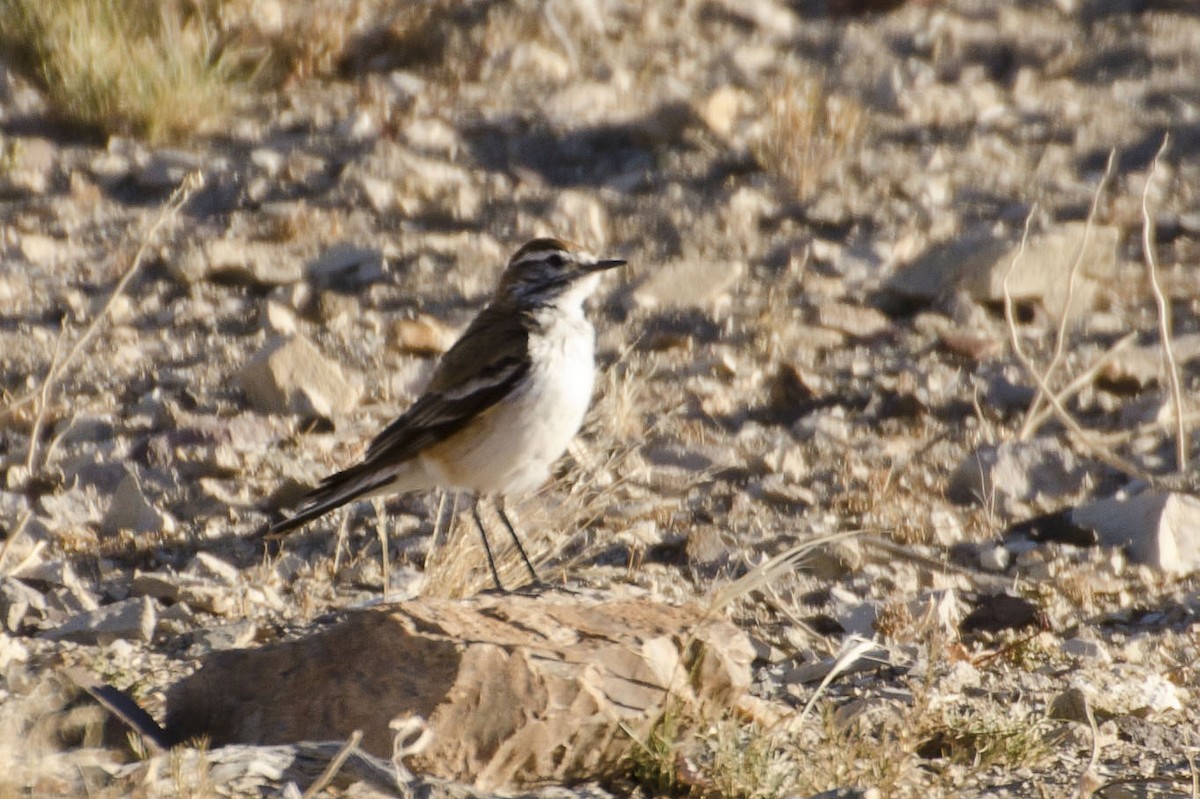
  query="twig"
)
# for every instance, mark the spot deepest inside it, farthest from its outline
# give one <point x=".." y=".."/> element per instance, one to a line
<point x="12" y="536"/>
<point x="381" y="529"/>
<point x="43" y="393"/>
<point x="855" y="649"/>
<point x="334" y="766"/>
<point x="1028" y="426"/>
<point x="1098" y="451"/>
<point x="1164" y="312"/>
<point x="1084" y="378"/>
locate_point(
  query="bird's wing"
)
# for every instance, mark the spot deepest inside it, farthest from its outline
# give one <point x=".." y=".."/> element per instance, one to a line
<point x="484" y="365"/>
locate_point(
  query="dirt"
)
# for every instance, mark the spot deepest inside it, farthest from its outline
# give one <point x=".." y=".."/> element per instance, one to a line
<point x="767" y="169"/>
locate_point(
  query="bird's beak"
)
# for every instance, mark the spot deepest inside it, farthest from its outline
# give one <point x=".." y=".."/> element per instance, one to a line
<point x="609" y="263"/>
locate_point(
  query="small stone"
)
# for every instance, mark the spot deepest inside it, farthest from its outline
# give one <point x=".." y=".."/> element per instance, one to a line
<point x="347" y="267"/>
<point x="132" y="619"/>
<point x="207" y="565"/>
<point x="166" y="169"/>
<point x="235" y="635"/>
<point x="1134" y="368"/>
<point x="236" y="260"/>
<point x="20" y="604"/>
<point x="994" y="558"/>
<point x="1015" y="472"/>
<point x="722" y="109"/>
<point x="291" y="376"/>
<point x="432" y="135"/>
<point x="979" y="266"/>
<point x="268" y="160"/>
<point x="281" y="319"/>
<point x="855" y="615"/>
<point x="1086" y="649"/>
<point x="579" y="216"/>
<point x="1161" y="530"/>
<point x="129" y="509"/>
<point x="424" y="335"/>
<point x="690" y="283"/>
<point x="156" y="585"/>
<point x="1070" y="705"/>
<point x="853" y="320"/>
<point x="11" y="651"/>
<point x="33" y="168"/>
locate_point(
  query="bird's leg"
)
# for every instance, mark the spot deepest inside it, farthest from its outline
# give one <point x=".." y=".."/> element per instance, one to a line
<point x="487" y="547"/>
<point x="513" y="532"/>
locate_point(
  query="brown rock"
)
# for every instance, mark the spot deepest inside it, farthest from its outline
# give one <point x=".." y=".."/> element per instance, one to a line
<point x="1042" y="273"/>
<point x="516" y="690"/>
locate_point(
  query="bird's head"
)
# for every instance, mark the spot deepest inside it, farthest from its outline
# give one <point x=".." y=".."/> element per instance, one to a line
<point x="552" y="272"/>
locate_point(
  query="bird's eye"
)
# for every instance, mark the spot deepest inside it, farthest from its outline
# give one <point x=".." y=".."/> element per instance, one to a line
<point x="556" y="260"/>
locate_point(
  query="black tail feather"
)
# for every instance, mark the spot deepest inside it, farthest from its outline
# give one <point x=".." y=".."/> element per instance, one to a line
<point x="334" y="492"/>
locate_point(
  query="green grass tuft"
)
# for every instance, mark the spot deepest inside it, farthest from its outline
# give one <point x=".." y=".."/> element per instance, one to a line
<point x="149" y="68"/>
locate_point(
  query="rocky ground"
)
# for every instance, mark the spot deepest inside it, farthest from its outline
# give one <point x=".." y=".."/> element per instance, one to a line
<point x="861" y="244"/>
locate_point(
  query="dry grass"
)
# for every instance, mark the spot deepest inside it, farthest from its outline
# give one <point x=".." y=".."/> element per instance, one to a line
<point x="807" y="133"/>
<point x="143" y="67"/>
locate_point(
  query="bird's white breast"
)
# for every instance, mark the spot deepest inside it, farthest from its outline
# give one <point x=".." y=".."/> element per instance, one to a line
<point x="514" y="445"/>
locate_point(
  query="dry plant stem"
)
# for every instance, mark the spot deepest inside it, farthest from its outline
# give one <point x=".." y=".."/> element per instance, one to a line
<point x="1082" y="380"/>
<point x="43" y="397"/>
<point x="1164" y="312"/>
<point x="381" y="531"/>
<point x="1094" y="447"/>
<point x="334" y="766"/>
<point x="772" y="569"/>
<point x="12" y="536"/>
<point x="1028" y="427"/>
<point x="854" y="651"/>
<point x="43" y="394"/>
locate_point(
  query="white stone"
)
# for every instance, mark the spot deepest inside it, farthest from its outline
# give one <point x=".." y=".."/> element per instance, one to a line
<point x="130" y="618"/>
<point x="292" y="376"/>
<point x="1158" y="529"/>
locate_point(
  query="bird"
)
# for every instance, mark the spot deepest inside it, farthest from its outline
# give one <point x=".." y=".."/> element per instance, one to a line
<point x="504" y="401"/>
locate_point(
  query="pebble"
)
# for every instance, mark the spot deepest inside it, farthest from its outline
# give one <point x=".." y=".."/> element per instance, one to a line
<point x="1161" y="530"/>
<point x="994" y="558"/>
<point x="292" y="376"/>
<point x="690" y="283"/>
<point x="347" y="267"/>
<point x="132" y="619"/>
<point x="979" y="265"/>
<point x="1086" y="649"/>
<point x="130" y="509"/>
<point x="1015" y="472"/>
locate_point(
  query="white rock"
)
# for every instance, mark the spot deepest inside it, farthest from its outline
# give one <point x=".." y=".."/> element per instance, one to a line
<point x="252" y="262"/>
<point x="11" y="651"/>
<point x="19" y="602"/>
<point x="1015" y="472"/>
<point x="1158" y="529"/>
<point x="1086" y="649"/>
<point x="432" y="135"/>
<point x="292" y="376"/>
<point x="690" y="283"/>
<point x="979" y="267"/>
<point x="130" y="618"/>
<point x="580" y="217"/>
<point x="994" y="559"/>
<point x="347" y="266"/>
<point x="131" y="510"/>
<point x="166" y="169"/>
<point x="208" y="565"/>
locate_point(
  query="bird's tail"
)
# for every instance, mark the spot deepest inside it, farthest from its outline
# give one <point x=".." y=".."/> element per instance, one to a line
<point x="334" y="492"/>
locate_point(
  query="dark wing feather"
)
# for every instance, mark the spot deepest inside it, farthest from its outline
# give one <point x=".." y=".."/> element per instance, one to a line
<point x="482" y="367"/>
